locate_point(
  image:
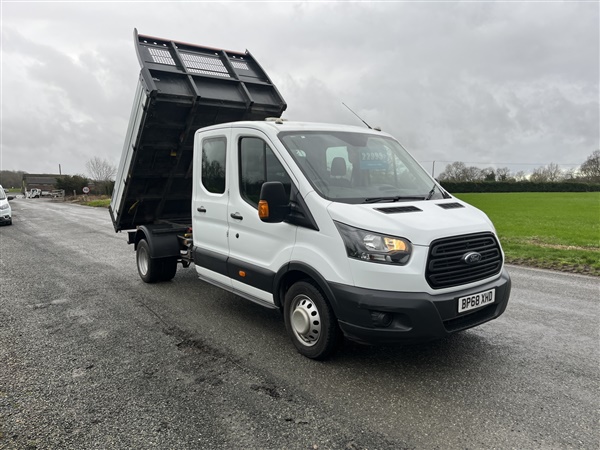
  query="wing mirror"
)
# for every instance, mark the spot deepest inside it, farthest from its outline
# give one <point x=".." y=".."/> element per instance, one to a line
<point x="274" y="205"/>
<point x="10" y="197"/>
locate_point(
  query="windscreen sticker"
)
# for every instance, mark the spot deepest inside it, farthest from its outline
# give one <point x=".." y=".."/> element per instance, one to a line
<point x="373" y="159"/>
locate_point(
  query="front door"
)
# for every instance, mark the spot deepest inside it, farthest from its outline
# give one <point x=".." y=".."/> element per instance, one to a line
<point x="257" y="250"/>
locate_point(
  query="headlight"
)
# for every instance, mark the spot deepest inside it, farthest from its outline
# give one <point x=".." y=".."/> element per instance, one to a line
<point x="5" y="206"/>
<point x="369" y="246"/>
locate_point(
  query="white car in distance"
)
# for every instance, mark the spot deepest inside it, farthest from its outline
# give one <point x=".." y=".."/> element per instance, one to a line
<point x="5" y="210"/>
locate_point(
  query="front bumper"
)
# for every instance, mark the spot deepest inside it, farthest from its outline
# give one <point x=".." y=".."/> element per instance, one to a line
<point x="5" y="218"/>
<point x="415" y="317"/>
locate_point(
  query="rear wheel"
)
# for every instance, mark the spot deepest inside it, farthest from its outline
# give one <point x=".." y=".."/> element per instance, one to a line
<point x="148" y="268"/>
<point x="310" y="321"/>
<point x="151" y="269"/>
<point x="168" y="268"/>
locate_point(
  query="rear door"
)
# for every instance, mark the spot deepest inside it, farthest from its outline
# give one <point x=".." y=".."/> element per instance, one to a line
<point x="257" y="250"/>
<point x="209" y="205"/>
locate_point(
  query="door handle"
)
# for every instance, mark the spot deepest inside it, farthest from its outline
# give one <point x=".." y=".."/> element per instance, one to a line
<point x="201" y="209"/>
<point x="236" y="215"/>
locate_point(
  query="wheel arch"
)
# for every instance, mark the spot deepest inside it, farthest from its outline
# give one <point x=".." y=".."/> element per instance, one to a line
<point x="161" y="245"/>
<point x="297" y="271"/>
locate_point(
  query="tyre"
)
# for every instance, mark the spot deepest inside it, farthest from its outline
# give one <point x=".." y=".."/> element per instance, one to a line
<point x="310" y="321"/>
<point x="148" y="268"/>
<point x="168" y="268"/>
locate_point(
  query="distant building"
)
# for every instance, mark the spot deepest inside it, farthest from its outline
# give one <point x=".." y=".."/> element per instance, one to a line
<point x="44" y="182"/>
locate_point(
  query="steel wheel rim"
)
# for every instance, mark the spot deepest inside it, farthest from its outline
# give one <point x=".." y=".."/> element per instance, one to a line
<point x="143" y="260"/>
<point x="305" y="320"/>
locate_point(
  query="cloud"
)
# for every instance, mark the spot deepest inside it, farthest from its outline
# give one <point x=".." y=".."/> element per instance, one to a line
<point x="489" y="82"/>
<point x="58" y="106"/>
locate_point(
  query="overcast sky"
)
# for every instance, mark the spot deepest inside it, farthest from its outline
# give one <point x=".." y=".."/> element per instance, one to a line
<point x="501" y="84"/>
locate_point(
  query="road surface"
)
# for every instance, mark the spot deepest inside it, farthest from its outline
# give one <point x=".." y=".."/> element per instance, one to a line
<point x="91" y="357"/>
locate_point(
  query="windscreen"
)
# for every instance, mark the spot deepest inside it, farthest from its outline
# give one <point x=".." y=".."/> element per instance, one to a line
<point x="358" y="167"/>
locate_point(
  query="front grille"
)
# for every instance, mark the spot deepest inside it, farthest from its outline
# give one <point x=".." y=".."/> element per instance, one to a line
<point x="445" y="265"/>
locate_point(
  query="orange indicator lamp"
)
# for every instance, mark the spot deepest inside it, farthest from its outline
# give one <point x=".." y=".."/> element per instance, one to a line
<point x="263" y="209"/>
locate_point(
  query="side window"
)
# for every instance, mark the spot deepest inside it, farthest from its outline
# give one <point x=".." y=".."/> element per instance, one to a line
<point x="257" y="165"/>
<point x="213" y="164"/>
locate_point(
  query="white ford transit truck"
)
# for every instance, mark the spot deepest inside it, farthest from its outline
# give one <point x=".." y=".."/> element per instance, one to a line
<point x="336" y="226"/>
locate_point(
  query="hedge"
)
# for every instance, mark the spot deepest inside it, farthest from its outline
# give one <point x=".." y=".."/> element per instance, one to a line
<point x="518" y="186"/>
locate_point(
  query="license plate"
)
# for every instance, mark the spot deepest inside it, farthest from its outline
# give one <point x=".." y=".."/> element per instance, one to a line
<point x="476" y="300"/>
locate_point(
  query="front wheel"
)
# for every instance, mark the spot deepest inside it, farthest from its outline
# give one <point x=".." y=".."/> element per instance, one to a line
<point x="310" y="321"/>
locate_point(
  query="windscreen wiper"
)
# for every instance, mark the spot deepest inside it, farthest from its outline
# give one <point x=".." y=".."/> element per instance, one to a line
<point x="391" y="199"/>
<point x="431" y="192"/>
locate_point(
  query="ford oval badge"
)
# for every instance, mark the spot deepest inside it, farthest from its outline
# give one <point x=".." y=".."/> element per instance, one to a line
<point x="471" y="258"/>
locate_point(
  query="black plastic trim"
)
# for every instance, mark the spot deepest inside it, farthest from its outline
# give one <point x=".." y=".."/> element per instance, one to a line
<point x="211" y="260"/>
<point x="300" y="214"/>
<point x="307" y="272"/>
<point x="256" y="277"/>
<point x="416" y="316"/>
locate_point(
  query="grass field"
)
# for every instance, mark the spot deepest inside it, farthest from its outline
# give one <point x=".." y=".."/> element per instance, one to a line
<point x="98" y="203"/>
<point x="553" y="230"/>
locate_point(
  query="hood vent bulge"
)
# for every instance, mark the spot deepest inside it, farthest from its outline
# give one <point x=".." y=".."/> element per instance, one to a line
<point x="399" y="209"/>
<point x="450" y="205"/>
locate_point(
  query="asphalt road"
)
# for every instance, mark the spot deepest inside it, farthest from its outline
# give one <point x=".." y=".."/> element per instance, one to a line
<point x="91" y="357"/>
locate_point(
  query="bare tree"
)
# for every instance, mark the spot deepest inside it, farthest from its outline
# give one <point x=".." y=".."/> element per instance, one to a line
<point x="550" y="173"/>
<point x="539" y="175"/>
<point x="554" y="172"/>
<point x="453" y="172"/>
<point x="503" y="174"/>
<point x="590" y="169"/>
<point x="473" y="174"/>
<point x="100" y="169"/>
<point x="458" y="171"/>
<point x="488" y="174"/>
<point x="570" y="175"/>
<point x="103" y="173"/>
<point x="520" y="176"/>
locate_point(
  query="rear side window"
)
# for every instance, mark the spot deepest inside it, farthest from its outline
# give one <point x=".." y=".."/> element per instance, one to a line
<point x="213" y="164"/>
<point x="259" y="164"/>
